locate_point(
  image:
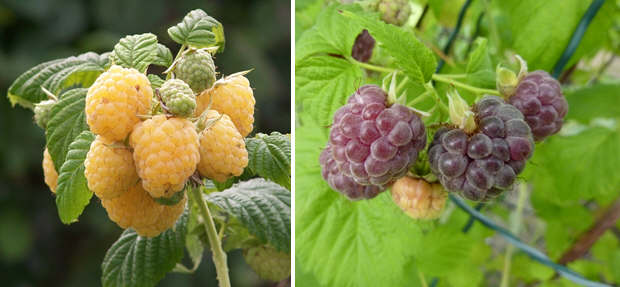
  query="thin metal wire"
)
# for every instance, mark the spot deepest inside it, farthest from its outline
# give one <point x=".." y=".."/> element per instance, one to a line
<point x="452" y="37"/>
<point x="577" y="35"/>
<point x="529" y="250"/>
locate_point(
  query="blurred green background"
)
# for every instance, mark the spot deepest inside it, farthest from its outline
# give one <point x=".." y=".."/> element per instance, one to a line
<point x="36" y="249"/>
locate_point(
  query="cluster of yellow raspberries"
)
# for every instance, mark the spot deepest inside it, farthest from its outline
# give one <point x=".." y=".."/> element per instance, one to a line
<point x="144" y="152"/>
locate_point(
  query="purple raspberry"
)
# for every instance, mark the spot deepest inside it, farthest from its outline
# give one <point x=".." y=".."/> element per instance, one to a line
<point x="482" y="164"/>
<point x="362" y="49"/>
<point x="341" y="182"/>
<point x="370" y="143"/>
<point x="539" y="97"/>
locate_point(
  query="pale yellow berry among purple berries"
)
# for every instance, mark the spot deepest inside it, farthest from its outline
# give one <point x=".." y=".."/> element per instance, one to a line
<point x="418" y="198"/>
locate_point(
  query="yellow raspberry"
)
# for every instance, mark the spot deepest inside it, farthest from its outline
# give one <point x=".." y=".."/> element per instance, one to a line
<point x="49" y="171"/>
<point x="109" y="170"/>
<point x="167" y="218"/>
<point x="419" y="199"/>
<point x="231" y="96"/>
<point x="133" y="208"/>
<point x="165" y="153"/>
<point x="115" y="100"/>
<point x="222" y="149"/>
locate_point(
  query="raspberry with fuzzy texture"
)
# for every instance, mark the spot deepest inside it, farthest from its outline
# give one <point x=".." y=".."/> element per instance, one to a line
<point x="222" y="149"/>
<point x="132" y="208"/>
<point x="374" y="143"/>
<point x="394" y="12"/>
<point x="109" y="170"/>
<point x="341" y="182"/>
<point x="115" y="100"/>
<point x="231" y="96"/>
<point x="136" y="209"/>
<point x="481" y="164"/>
<point x="268" y="262"/>
<point x="165" y="152"/>
<point x="49" y="171"/>
<point x="418" y="198"/>
<point x="363" y="46"/>
<point x="166" y="219"/>
<point x="539" y="97"/>
<point x="197" y="69"/>
<point x="178" y="97"/>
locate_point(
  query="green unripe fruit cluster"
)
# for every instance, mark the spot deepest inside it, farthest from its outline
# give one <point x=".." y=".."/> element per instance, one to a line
<point x="42" y="112"/>
<point x="197" y="69"/>
<point x="178" y="97"/>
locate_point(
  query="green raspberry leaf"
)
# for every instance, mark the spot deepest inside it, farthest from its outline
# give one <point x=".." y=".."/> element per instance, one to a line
<point x="579" y="166"/>
<point x="270" y="157"/>
<point x="136" y="51"/>
<point x="136" y="261"/>
<point x="262" y="206"/>
<point x="410" y="55"/>
<point x="480" y="70"/>
<point x="56" y="76"/>
<point x="444" y="250"/>
<point x="363" y="243"/>
<point x="163" y="57"/>
<point x="522" y="22"/>
<point x="72" y="194"/>
<point x="67" y="121"/>
<point x="156" y="81"/>
<point x="596" y="101"/>
<point x="332" y="34"/>
<point x="323" y="83"/>
<point x="198" y="30"/>
<point x="193" y="243"/>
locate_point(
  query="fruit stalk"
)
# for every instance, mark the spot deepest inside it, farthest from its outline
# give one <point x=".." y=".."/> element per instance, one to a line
<point x="450" y="80"/>
<point x="219" y="256"/>
<point x="514" y="227"/>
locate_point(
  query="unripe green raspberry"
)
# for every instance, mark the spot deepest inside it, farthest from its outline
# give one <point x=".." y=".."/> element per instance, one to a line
<point x="197" y="69"/>
<point x="418" y="198"/>
<point x="268" y="262"/>
<point x="394" y="11"/>
<point x="42" y="112"/>
<point x="178" y="97"/>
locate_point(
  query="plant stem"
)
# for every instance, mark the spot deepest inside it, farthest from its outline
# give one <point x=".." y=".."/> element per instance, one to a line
<point x="586" y="240"/>
<point x="419" y="99"/>
<point x="219" y="256"/>
<point x="514" y="227"/>
<point x="422" y="280"/>
<point x="374" y="67"/>
<point x="181" y="50"/>
<point x="442" y="78"/>
<point x="455" y="76"/>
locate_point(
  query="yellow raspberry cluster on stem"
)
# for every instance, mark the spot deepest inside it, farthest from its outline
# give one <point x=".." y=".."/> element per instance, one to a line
<point x="141" y="159"/>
